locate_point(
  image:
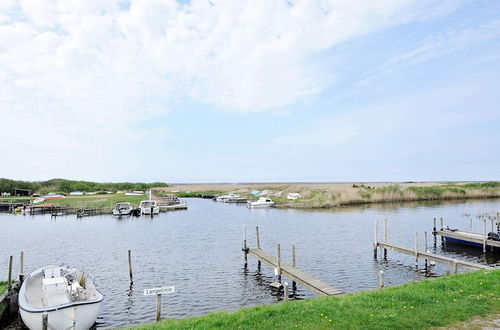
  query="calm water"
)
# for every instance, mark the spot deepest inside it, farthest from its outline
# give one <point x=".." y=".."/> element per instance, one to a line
<point x="199" y="252"/>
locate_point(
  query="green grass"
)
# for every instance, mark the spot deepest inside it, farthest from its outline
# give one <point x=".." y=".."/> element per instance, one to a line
<point x="193" y="193"/>
<point x="419" y="305"/>
<point x="436" y="191"/>
<point x="3" y="286"/>
<point x="96" y="201"/>
<point x="480" y="185"/>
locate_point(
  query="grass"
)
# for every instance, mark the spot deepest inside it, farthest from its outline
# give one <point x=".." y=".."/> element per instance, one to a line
<point x="96" y="201"/>
<point x="3" y="286"/>
<point x="418" y="305"/>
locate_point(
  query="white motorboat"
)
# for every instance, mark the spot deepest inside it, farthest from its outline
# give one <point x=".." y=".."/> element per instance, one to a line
<point x="68" y="296"/>
<point x="149" y="207"/>
<point x="261" y="202"/>
<point x="231" y="198"/>
<point x="123" y="208"/>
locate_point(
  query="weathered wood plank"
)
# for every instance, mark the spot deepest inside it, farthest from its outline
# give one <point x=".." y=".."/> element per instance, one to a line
<point x="309" y="282"/>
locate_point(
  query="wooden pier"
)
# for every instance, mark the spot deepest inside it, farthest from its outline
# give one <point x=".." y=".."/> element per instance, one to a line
<point x="296" y="275"/>
<point x="418" y="254"/>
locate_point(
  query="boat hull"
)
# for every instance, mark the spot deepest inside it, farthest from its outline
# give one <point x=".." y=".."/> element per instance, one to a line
<point x="467" y="243"/>
<point x="85" y="316"/>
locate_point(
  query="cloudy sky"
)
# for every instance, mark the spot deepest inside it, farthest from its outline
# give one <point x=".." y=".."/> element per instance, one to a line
<point x="257" y="90"/>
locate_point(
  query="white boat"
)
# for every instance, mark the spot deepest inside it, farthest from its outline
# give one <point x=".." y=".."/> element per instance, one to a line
<point x="68" y="296"/>
<point x="123" y="208"/>
<point x="149" y="207"/>
<point x="261" y="202"/>
<point x="231" y="198"/>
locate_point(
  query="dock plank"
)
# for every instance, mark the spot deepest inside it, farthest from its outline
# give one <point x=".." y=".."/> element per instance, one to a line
<point x="306" y="280"/>
<point x="432" y="257"/>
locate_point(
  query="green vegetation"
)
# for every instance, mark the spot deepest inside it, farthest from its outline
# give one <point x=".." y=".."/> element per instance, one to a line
<point x="66" y="186"/>
<point x="3" y="286"/>
<point x="191" y="193"/>
<point x="96" y="201"/>
<point x="419" y="305"/>
<point x="436" y="191"/>
<point x="479" y="185"/>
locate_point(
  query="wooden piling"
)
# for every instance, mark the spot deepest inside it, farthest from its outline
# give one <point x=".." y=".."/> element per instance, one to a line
<point x="245" y="248"/>
<point x="484" y="235"/>
<point x="492" y="226"/>
<point x="470" y="225"/>
<point x="278" y="254"/>
<point x="45" y="320"/>
<point x="455" y="267"/>
<point x="442" y="227"/>
<point x="285" y="291"/>
<point x="130" y="266"/>
<point x="434" y="232"/>
<point x="258" y="244"/>
<point x="381" y="279"/>
<point x="416" y="249"/>
<point x="21" y="267"/>
<point x="294" y="265"/>
<point x="158" y="307"/>
<point x="375" y="240"/>
<point x="9" y="279"/>
<point x="426" y="248"/>
<point x="385" y="237"/>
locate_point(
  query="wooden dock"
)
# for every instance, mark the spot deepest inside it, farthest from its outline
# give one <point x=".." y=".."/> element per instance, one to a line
<point x="432" y="257"/>
<point x="307" y="281"/>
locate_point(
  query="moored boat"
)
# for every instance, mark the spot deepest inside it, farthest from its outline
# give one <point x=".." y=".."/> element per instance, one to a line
<point x="123" y="208"/>
<point x="261" y="202"/>
<point x="149" y="207"/>
<point x="67" y="295"/>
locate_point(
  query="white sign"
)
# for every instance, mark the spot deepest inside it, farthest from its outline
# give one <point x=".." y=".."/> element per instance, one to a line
<point x="162" y="290"/>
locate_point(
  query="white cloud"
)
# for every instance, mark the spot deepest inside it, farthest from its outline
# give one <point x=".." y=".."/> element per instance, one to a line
<point x="95" y="68"/>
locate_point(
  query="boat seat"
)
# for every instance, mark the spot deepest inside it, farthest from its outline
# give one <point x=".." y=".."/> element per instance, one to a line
<point x="55" y="291"/>
<point x="50" y="272"/>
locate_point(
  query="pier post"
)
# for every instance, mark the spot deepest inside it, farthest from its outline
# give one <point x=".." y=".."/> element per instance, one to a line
<point x="470" y="225"/>
<point x="45" y="320"/>
<point x="426" y="249"/>
<point x="158" y="307"/>
<point x="21" y="268"/>
<point x="278" y="254"/>
<point x="385" y="237"/>
<point x="442" y="227"/>
<point x="285" y="292"/>
<point x="245" y="248"/>
<point x="434" y="232"/>
<point x="416" y="249"/>
<point x="9" y="279"/>
<point x="455" y="267"/>
<point x="258" y="244"/>
<point x="484" y="237"/>
<point x="294" y="284"/>
<point x="381" y="279"/>
<point x="492" y="226"/>
<point x="130" y="266"/>
<point x="375" y="240"/>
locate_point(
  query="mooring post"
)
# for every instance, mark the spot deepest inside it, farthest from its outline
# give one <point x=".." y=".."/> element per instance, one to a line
<point x="375" y="240"/>
<point x="470" y="224"/>
<point x="130" y="266"/>
<point x="158" y="307"/>
<point x="258" y="244"/>
<point x="426" y="250"/>
<point x="245" y="248"/>
<point x="434" y="232"/>
<point x="381" y="279"/>
<point x="416" y="249"/>
<point x="455" y="267"/>
<point x="285" y="291"/>
<point x="278" y="253"/>
<point x="21" y="268"/>
<point x="442" y="227"/>
<point x="45" y="320"/>
<point x="385" y="237"/>
<point x="484" y="236"/>
<point x="492" y="226"/>
<point x="9" y="279"/>
<point x="294" y="284"/>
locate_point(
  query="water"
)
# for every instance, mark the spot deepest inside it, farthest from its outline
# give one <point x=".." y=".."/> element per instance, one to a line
<point x="199" y="252"/>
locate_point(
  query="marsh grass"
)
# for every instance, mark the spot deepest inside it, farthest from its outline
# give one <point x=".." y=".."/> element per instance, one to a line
<point x="418" y="305"/>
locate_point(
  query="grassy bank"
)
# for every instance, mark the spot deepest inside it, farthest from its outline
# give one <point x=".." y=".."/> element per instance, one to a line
<point x="3" y="286"/>
<point x="324" y="195"/>
<point x="417" y="305"/>
<point x="107" y="201"/>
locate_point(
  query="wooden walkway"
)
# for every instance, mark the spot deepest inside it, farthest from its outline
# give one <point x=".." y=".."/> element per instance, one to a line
<point x="475" y="238"/>
<point x="432" y="257"/>
<point x="309" y="282"/>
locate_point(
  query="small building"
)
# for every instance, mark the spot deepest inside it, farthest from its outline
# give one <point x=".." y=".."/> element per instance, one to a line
<point x="22" y="192"/>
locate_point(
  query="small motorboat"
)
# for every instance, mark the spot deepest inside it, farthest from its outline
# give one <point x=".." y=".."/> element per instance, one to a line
<point x="231" y="198"/>
<point x="149" y="206"/>
<point x="123" y="208"/>
<point x="261" y="202"/>
<point x="67" y="296"/>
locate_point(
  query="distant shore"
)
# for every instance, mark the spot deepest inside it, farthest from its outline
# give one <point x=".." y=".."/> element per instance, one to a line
<point x="329" y="195"/>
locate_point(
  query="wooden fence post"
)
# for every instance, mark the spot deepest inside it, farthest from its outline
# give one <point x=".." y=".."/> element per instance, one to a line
<point x="258" y="244"/>
<point x="375" y="240"/>
<point x="158" y="307"/>
<point x="278" y="253"/>
<point x="285" y="291"/>
<point x="381" y="279"/>
<point x="416" y="249"/>
<point x="484" y="236"/>
<point x="9" y="280"/>
<point x="130" y="266"/>
<point x="385" y="237"/>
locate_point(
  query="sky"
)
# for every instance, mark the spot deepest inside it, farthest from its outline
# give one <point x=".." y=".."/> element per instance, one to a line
<point x="250" y="90"/>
